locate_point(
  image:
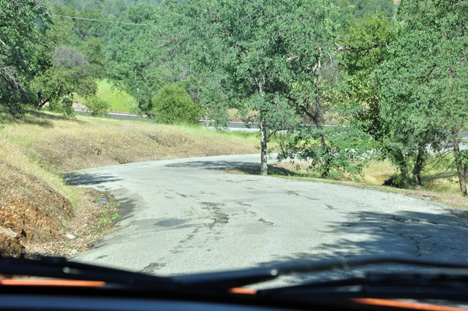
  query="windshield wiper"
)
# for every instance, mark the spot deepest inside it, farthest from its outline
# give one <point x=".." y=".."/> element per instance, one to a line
<point x="448" y="275"/>
<point x="395" y="285"/>
<point x="61" y="268"/>
<point x="448" y="281"/>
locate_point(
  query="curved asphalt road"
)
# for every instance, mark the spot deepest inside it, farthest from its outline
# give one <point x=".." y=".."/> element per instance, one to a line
<point x="185" y="216"/>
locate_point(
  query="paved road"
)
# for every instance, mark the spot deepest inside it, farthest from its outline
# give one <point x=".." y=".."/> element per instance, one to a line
<point x="133" y="117"/>
<point x="190" y="215"/>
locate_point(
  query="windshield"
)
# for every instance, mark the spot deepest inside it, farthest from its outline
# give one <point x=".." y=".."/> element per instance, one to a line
<point x="179" y="137"/>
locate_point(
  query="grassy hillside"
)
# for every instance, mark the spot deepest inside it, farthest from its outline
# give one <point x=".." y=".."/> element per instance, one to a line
<point x="38" y="210"/>
<point x="118" y="100"/>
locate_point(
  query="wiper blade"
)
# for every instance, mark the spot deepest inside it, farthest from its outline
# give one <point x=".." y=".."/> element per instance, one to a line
<point x="439" y="286"/>
<point x="364" y="261"/>
<point x="61" y="268"/>
<point x="222" y="281"/>
<point x="56" y="267"/>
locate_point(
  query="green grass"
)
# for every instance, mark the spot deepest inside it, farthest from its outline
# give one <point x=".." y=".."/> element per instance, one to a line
<point x="118" y="100"/>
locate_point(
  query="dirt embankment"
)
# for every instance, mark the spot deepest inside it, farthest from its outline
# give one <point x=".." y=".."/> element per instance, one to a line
<point x="39" y="213"/>
<point x="30" y="210"/>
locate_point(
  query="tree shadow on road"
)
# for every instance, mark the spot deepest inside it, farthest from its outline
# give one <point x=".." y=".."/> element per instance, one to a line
<point x="255" y="170"/>
<point x="212" y="165"/>
<point x="83" y="179"/>
<point x="235" y="167"/>
<point x="436" y="237"/>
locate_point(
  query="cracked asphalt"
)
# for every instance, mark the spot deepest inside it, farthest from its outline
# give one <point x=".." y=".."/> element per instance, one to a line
<point x="186" y="216"/>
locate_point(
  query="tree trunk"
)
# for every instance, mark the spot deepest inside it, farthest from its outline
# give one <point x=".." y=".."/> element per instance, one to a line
<point x="402" y="165"/>
<point x="404" y="176"/>
<point x="263" y="146"/>
<point x="460" y="169"/>
<point x="263" y="135"/>
<point x="318" y="113"/>
<point x="318" y="118"/>
<point x="418" y="166"/>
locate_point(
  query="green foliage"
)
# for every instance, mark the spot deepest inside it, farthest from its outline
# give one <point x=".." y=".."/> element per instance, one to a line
<point x="213" y="100"/>
<point x="331" y="150"/>
<point x="40" y="63"/>
<point x="173" y="105"/>
<point x="365" y="48"/>
<point x="93" y="49"/>
<point x="423" y="87"/>
<point x="83" y="36"/>
<point x="461" y="157"/>
<point x="108" y="8"/>
<point x="132" y="58"/>
<point x="86" y="28"/>
<point x="63" y="105"/>
<point x="365" y="44"/>
<point x="98" y="106"/>
<point x="351" y="11"/>
<point x="23" y="24"/>
<point x="363" y="8"/>
<point x="70" y="73"/>
<point x="259" y="50"/>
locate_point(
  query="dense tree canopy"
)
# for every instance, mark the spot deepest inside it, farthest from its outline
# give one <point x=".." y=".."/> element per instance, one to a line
<point x="424" y="85"/>
<point x="23" y="24"/>
<point x="132" y="56"/>
<point x="108" y="8"/>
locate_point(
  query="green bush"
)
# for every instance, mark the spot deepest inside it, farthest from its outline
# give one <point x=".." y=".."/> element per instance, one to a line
<point x="173" y="105"/>
<point x="98" y="106"/>
<point x="63" y="105"/>
<point x="332" y="151"/>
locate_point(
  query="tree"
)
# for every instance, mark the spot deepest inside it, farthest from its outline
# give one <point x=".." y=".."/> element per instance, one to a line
<point x="23" y="24"/>
<point x="424" y="85"/>
<point x="132" y="56"/>
<point x="264" y="48"/>
<point x="364" y="8"/>
<point x="70" y="73"/>
<point x="86" y="28"/>
<point x="347" y="149"/>
<point x="93" y="49"/>
<point x="173" y="105"/>
<point x="363" y="48"/>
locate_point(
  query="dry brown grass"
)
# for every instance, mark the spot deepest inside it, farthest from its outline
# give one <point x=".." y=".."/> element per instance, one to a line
<point x="377" y="172"/>
<point x="68" y="145"/>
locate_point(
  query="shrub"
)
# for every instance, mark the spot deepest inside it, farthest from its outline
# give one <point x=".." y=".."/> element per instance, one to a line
<point x="331" y="150"/>
<point x="98" y="106"/>
<point x="173" y="105"/>
<point x="63" y="105"/>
